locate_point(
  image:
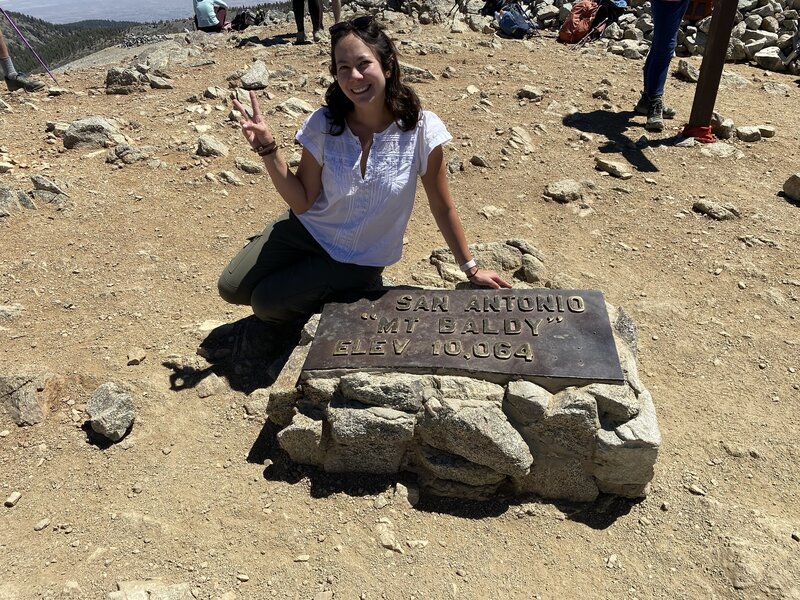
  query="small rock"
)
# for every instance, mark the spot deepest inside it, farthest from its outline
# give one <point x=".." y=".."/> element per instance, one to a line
<point x="248" y="166"/>
<point x="528" y="92"/>
<point x="111" y="411"/>
<point x="209" y="146"/>
<point x="294" y="107"/>
<point x="719" y="212"/>
<point x="567" y="190"/>
<point x="409" y="495"/>
<point x="41" y="524"/>
<point x="136" y="356"/>
<point x="242" y="577"/>
<point x="72" y="590"/>
<point x="10" y="311"/>
<point x="479" y="161"/>
<point x="688" y="142"/>
<point x="796" y="536"/>
<point x="612" y="168"/>
<point x="12" y="499"/>
<point x="696" y="490"/>
<point x="230" y="178"/>
<point x="380" y="502"/>
<point x="256" y="77"/>
<point x="767" y="131"/>
<point x="302" y="558"/>
<point x="491" y="211"/>
<point x="210" y="385"/>
<point x="723" y="127"/>
<point x="688" y="72"/>
<point x="791" y="187"/>
<point x="386" y="536"/>
<point x="748" y="133"/>
<point x="665" y="506"/>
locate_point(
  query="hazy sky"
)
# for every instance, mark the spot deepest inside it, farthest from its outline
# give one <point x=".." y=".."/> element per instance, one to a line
<point x="69" y="11"/>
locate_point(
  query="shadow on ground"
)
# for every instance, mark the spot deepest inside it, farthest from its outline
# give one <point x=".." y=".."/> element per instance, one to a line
<point x="600" y="514"/>
<point x="612" y="126"/>
<point x="276" y="40"/>
<point x="248" y="353"/>
<point x="789" y="199"/>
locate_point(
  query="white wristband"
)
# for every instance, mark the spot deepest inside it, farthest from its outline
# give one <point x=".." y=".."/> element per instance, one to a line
<point x="468" y="265"/>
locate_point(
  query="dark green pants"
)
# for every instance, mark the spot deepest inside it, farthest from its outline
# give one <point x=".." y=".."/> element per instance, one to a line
<point x="284" y="274"/>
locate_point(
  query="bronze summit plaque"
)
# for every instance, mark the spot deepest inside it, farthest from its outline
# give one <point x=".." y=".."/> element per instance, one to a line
<point x="558" y="336"/>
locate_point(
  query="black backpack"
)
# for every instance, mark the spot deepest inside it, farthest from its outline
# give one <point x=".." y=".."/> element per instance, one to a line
<point x="244" y="19"/>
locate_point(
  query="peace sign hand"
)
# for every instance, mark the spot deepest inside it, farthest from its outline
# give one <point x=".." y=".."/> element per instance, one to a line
<point x="254" y="127"/>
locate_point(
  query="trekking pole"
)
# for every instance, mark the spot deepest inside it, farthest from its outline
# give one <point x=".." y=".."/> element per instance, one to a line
<point x="22" y="37"/>
<point x="585" y="39"/>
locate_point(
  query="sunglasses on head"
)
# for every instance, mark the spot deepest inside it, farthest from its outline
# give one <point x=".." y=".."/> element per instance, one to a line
<point x="359" y="23"/>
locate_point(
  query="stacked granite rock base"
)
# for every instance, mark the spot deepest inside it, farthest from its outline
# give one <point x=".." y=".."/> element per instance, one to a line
<point x="476" y="437"/>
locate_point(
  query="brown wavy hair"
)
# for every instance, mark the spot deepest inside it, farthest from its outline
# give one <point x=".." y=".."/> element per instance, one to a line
<point x="401" y="100"/>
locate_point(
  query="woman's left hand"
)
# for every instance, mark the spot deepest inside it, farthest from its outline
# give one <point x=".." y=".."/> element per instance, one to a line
<point x="490" y="279"/>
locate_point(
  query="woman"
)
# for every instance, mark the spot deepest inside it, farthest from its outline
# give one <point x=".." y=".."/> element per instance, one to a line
<point x="210" y="15"/>
<point x="351" y="197"/>
<point x="667" y="16"/>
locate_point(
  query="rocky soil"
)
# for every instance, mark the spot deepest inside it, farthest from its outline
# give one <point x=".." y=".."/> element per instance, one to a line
<point x="112" y="279"/>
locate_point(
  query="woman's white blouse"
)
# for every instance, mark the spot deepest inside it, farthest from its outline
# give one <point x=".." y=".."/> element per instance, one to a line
<point x="362" y="220"/>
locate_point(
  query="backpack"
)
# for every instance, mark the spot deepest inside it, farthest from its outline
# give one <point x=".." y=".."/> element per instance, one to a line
<point x="514" y="23"/>
<point x="578" y="23"/>
<point x="244" y="19"/>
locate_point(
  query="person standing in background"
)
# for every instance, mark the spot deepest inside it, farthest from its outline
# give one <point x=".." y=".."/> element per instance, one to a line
<point x="210" y="15"/>
<point x="337" y="10"/>
<point x="315" y="12"/>
<point x="15" y="81"/>
<point x="667" y="16"/>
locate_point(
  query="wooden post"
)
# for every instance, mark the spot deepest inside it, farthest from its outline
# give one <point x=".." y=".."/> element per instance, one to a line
<point x="719" y="35"/>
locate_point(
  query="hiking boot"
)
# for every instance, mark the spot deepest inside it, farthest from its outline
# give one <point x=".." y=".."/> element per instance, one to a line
<point x="318" y="35"/>
<point x="301" y="39"/>
<point x="20" y="81"/>
<point x="643" y="107"/>
<point x="655" y="115"/>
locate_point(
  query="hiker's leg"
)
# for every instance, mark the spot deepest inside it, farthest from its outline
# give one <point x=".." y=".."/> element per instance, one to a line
<point x="284" y="273"/>
<point x="222" y="16"/>
<point x="15" y="81"/>
<point x="666" y="21"/>
<point x="282" y="243"/>
<point x="299" y="9"/>
<point x="315" y="11"/>
<point x="301" y="289"/>
<point x="5" y="59"/>
<point x="337" y="10"/>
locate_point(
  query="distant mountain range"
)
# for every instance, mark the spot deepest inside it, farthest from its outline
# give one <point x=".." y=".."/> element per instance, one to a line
<point x="58" y="45"/>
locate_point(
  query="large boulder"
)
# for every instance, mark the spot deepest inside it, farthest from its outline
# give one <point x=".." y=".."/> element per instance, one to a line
<point x="93" y="132"/>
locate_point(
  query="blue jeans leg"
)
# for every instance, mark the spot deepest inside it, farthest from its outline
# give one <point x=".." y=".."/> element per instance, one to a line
<point x="667" y="18"/>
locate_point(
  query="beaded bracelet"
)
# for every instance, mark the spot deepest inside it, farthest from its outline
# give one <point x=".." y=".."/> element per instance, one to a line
<point x="266" y="149"/>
